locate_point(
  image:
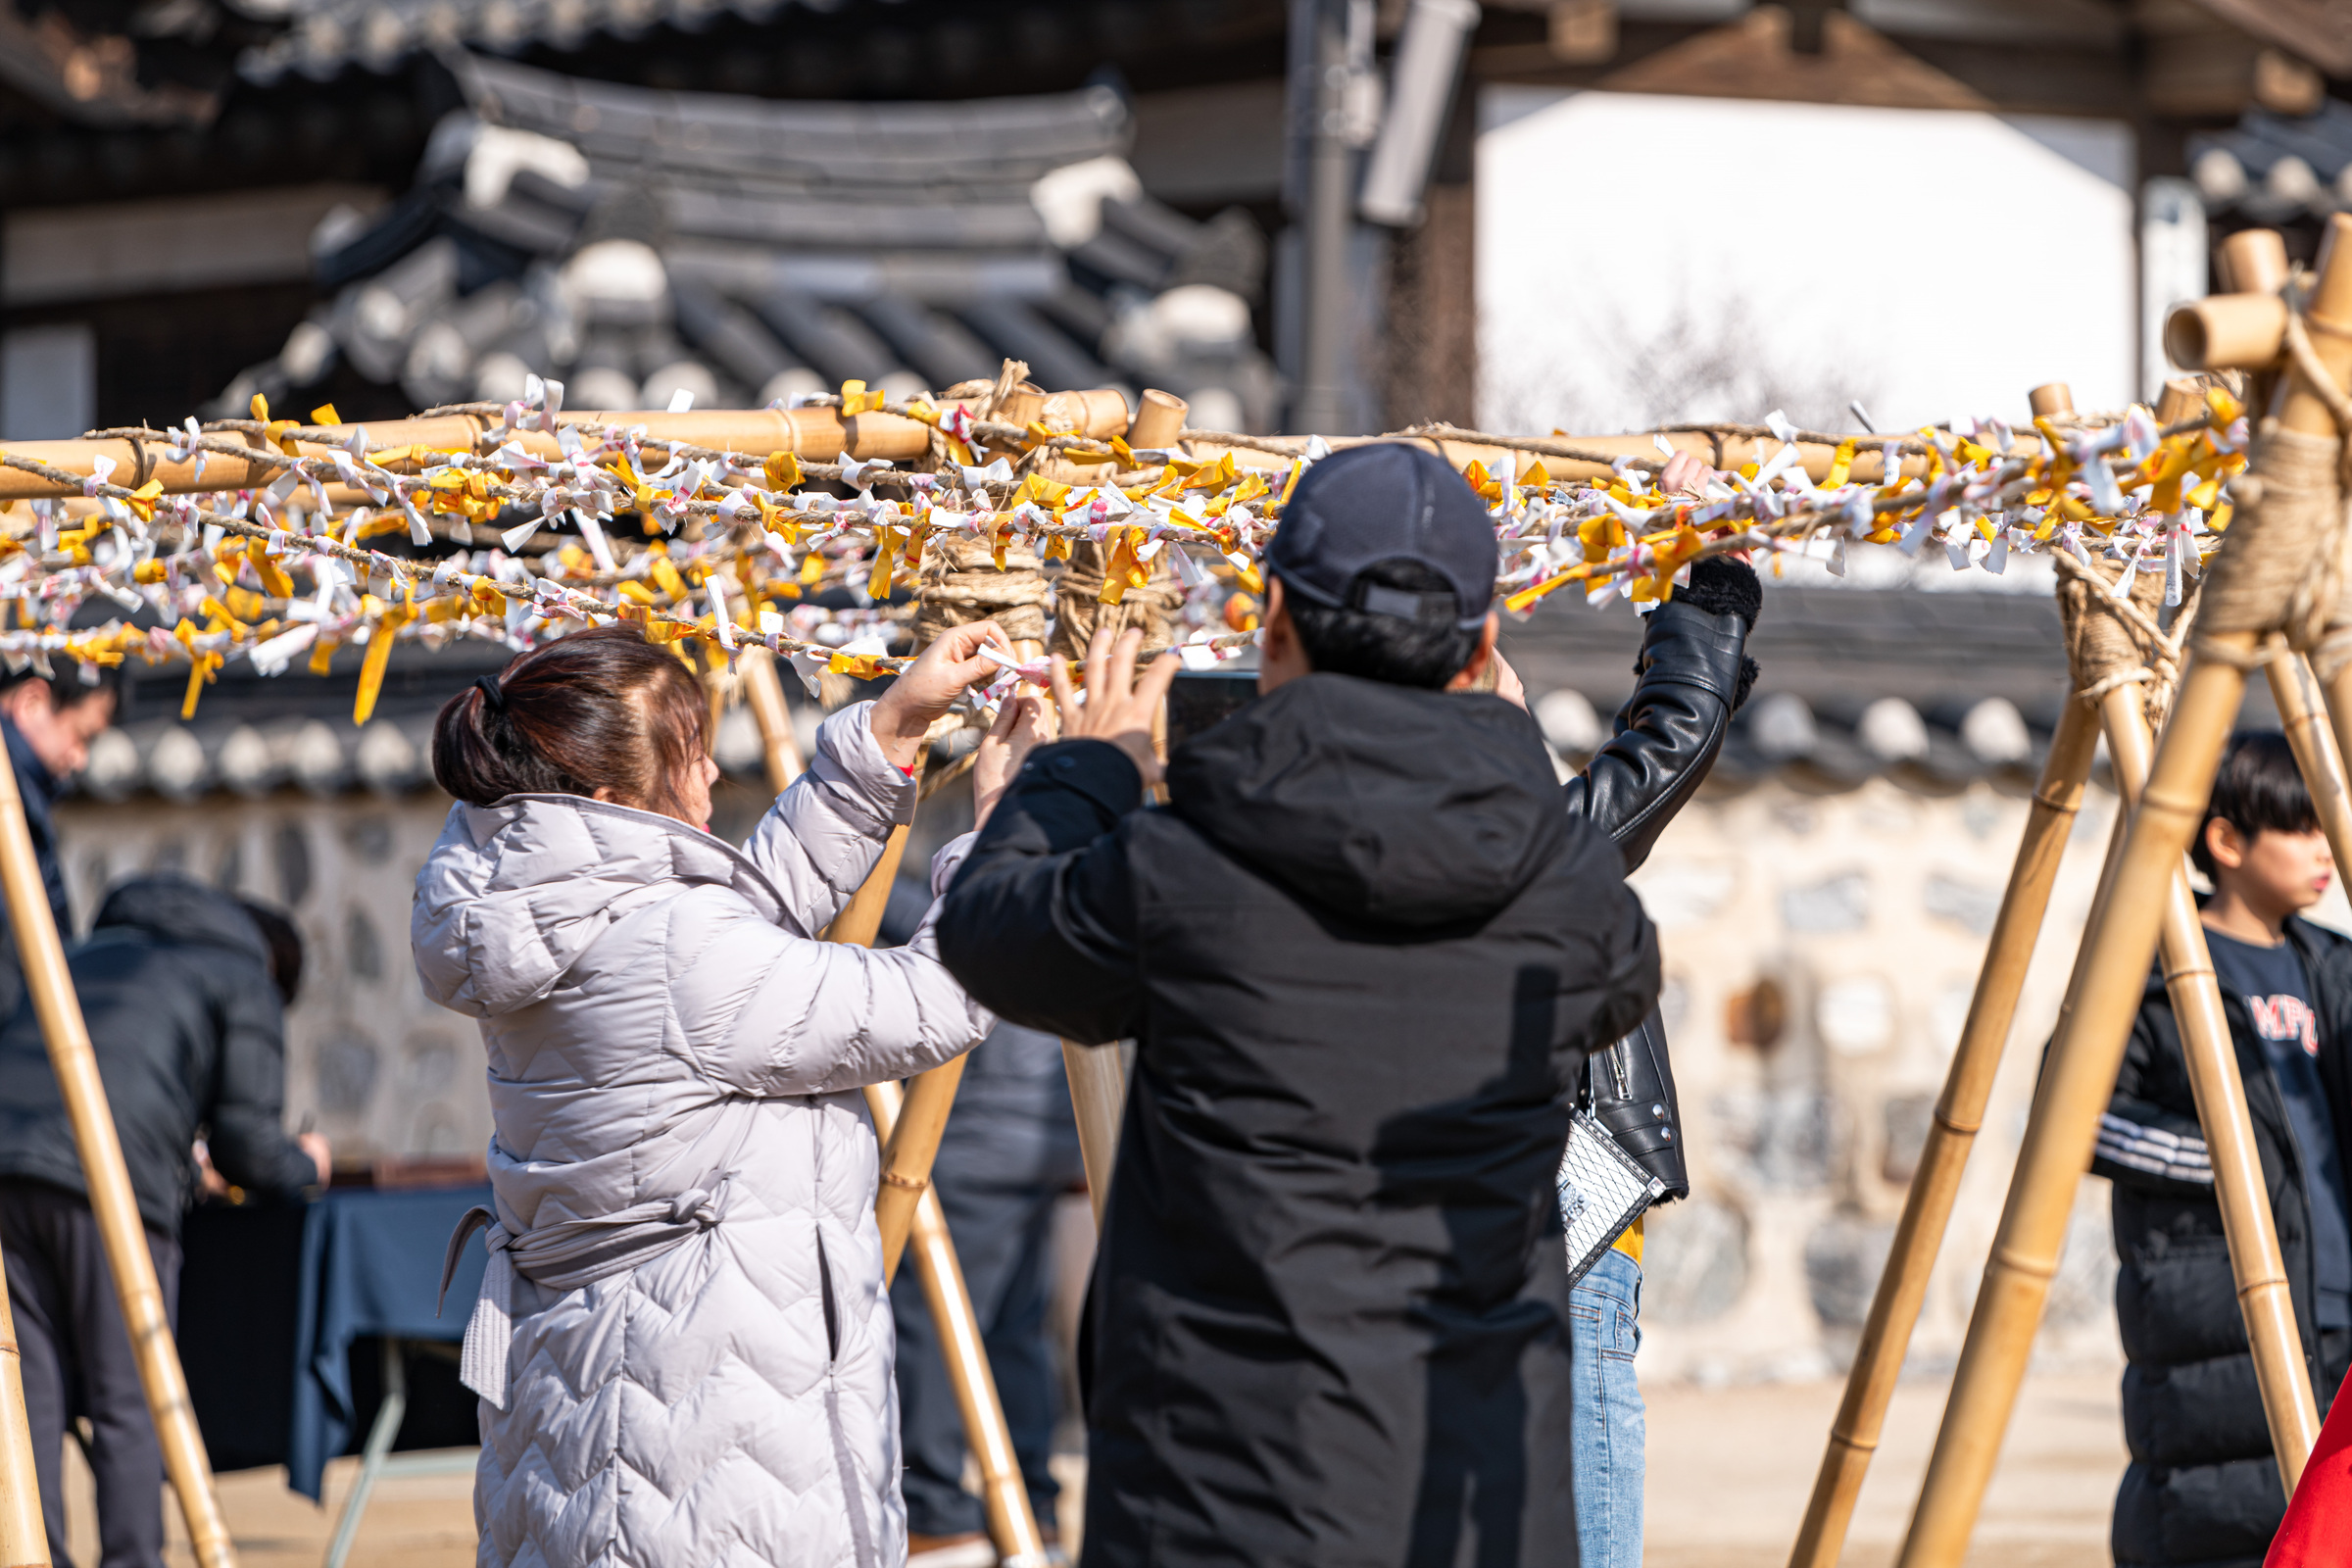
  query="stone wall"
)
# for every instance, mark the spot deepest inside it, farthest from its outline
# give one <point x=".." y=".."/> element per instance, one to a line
<point x="375" y="1066"/>
<point x="1820" y="954"/>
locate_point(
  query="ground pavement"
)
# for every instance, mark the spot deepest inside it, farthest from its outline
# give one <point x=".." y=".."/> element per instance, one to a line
<point x="1729" y="1471"/>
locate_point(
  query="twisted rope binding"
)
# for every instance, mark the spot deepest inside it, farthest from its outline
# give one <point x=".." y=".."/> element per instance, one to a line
<point x="2282" y="567"/>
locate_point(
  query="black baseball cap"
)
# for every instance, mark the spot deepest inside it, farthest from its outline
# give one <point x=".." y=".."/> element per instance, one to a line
<point x="1386" y="502"/>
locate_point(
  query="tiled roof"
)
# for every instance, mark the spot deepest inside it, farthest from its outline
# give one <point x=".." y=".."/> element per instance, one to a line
<point x="631" y="241"/>
<point x="324" y="37"/>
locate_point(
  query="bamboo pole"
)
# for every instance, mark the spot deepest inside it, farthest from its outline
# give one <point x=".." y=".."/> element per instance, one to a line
<point x="909" y="1155"/>
<point x="51" y="988"/>
<point x="2111" y="973"/>
<point x="2296" y="694"/>
<point x="822" y="435"/>
<point x="2227" y="332"/>
<point x="24" y="1542"/>
<point x="1959" y="1115"/>
<point x="2279" y="1368"/>
<point x="2076" y="1079"/>
<point x="2253" y="262"/>
<point x="1004" y="1493"/>
<point x="763" y="690"/>
<point x="1098" y="1100"/>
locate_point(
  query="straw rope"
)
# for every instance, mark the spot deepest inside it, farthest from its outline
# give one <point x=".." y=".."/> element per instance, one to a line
<point x="2283" y="569"/>
<point x="1078" y="610"/>
<point x="2113" y="642"/>
<point x="962" y="583"/>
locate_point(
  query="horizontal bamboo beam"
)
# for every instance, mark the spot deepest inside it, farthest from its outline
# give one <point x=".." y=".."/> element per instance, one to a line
<point x="818" y="434"/>
<point x="823" y="436"/>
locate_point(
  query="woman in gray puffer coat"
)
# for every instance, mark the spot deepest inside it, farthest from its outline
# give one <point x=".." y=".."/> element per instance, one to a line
<point x="682" y="1343"/>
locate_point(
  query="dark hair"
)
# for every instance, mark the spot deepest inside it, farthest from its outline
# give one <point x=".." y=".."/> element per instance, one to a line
<point x="67" y="687"/>
<point x="1383" y="648"/>
<point x="2258" y="789"/>
<point x="285" y="948"/>
<point x="598" y="709"/>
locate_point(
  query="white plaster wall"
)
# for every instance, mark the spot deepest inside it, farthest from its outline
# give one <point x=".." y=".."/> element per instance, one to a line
<point x="1933" y="262"/>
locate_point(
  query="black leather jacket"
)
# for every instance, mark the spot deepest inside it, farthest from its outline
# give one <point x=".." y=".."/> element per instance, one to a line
<point x="1694" y="674"/>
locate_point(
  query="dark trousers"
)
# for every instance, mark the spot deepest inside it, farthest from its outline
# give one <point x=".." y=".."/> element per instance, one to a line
<point x="78" y="1362"/>
<point x="1010" y="1152"/>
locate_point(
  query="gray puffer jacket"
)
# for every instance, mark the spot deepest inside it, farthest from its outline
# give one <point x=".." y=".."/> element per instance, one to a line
<point x="698" y="1370"/>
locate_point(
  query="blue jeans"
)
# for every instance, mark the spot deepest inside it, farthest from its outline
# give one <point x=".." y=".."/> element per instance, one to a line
<point x="1609" y="1461"/>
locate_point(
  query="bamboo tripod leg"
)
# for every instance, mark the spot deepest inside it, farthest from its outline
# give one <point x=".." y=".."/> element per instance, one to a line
<point x="1098" y="1100"/>
<point x="907" y="1157"/>
<point x="2300" y="713"/>
<point x="24" y="1542"/>
<point x="116" y="1211"/>
<point x="1002" y="1492"/>
<point x="764" y="692"/>
<point x="2077" y="1077"/>
<point x="1011" y="1524"/>
<point x="1959" y="1114"/>
<point x="2280" y="1369"/>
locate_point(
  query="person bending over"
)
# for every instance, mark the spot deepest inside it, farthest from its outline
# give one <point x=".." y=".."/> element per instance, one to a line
<point x="682" y="1343"/>
<point x="184" y="991"/>
<point x="2202" y="1487"/>
<point x="1363" y="953"/>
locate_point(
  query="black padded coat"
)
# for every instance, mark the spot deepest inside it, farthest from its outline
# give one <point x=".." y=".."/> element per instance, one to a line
<point x="1363" y="953"/>
<point x="190" y="1037"/>
<point x="2202" y="1489"/>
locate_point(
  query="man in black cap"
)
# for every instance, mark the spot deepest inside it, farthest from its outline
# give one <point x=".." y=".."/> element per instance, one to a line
<point x="1363" y="951"/>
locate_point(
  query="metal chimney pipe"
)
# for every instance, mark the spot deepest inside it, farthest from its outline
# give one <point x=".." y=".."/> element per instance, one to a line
<point x="1429" y="56"/>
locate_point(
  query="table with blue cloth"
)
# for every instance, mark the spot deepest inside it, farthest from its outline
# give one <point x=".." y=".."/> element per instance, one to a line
<point x="273" y="1300"/>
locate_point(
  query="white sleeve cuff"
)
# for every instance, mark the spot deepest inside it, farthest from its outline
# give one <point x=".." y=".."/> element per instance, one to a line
<point x="849" y="760"/>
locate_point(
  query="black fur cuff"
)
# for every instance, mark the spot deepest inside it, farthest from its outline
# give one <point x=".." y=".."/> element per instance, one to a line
<point x="1721" y="586"/>
<point x="1748" y="682"/>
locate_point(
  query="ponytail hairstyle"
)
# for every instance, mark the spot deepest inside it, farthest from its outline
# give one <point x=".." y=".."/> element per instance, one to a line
<point x="599" y="709"/>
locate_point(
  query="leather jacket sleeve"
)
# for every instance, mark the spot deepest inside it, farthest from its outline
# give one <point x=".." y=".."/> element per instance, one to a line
<point x="1693" y="672"/>
<point x="1632" y="1096"/>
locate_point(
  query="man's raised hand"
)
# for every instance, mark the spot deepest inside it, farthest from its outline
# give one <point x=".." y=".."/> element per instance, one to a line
<point x="1118" y="707"/>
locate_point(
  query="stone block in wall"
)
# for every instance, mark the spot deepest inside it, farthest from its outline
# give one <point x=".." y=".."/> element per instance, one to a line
<point x="1694" y="1260"/>
<point x="1908" y="1119"/>
<point x="1777" y="1139"/>
<point x="1828" y="907"/>
<point x="1969" y="906"/>
<point x="1843" y="1257"/>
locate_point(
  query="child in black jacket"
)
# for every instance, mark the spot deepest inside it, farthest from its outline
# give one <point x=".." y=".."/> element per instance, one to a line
<point x="2202" y="1487"/>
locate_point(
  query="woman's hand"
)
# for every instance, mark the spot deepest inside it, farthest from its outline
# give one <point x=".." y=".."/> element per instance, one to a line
<point x="1023" y="724"/>
<point x="930" y="686"/>
<point x="1687" y="476"/>
<point x="1119" y="708"/>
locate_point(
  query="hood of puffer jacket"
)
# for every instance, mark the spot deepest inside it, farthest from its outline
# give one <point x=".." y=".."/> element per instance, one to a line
<point x="1401" y="806"/>
<point x="514" y="894"/>
<point x="174" y="909"/>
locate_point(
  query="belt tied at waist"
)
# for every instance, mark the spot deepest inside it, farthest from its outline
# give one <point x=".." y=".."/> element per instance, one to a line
<point x="562" y="1256"/>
